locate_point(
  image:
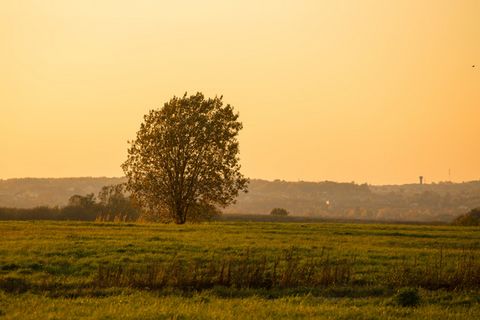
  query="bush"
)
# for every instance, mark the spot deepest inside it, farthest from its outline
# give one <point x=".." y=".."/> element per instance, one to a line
<point x="204" y="212"/>
<point x="407" y="297"/>
<point x="471" y="218"/>
<point x="279" y="212"/>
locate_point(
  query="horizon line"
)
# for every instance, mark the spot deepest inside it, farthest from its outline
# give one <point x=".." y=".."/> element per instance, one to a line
<point x="260" y="179"/>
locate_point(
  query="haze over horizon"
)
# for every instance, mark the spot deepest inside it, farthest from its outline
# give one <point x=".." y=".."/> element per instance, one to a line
<point x="371" y="91"/>
<point x="413" y="182"/>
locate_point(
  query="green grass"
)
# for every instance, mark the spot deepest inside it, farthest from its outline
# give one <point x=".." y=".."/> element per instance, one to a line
<point x="49" y="270"/>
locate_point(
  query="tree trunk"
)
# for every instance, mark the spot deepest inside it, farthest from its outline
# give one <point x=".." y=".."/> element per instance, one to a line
<point x="180" y="219"/>
<point x="180" y="215"/>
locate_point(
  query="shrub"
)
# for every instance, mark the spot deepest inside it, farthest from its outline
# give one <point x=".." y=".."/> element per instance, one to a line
<point x="407" y="297"/>
<point x="279" y="212"/>
<point x="471" y="218"/>
<point x="204" y="212"/>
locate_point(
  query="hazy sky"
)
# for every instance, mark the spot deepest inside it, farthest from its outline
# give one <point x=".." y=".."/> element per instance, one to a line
<point x="366" y="91"/>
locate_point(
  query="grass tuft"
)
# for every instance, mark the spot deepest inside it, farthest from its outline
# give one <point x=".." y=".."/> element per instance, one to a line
<point x="407" y="297"/>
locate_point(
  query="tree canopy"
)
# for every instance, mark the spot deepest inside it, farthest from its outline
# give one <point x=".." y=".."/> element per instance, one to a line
<point x="186" y="156"/>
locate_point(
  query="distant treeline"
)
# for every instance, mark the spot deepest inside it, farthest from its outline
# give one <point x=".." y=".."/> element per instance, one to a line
<point x="440" y="202"/>
<point x="111" y="204"/>
<point x="51" y="192"/>
<point x="411" y="202"/>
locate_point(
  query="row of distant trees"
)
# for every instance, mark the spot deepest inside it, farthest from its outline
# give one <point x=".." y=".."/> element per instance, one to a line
<point x="114" y="204"/>
<point x="111" y="204"/>
<point x="471" y="218"/>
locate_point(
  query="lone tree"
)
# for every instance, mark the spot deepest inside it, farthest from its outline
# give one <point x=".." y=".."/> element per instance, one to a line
<point x="185" y="157"/>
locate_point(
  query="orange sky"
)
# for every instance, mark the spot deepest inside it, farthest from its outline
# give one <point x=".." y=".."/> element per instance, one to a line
<point x="365" y="91"/>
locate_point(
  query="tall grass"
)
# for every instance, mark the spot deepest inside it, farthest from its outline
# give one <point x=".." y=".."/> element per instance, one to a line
<point x="439" y="272"/>
<point x="288" y="270"/>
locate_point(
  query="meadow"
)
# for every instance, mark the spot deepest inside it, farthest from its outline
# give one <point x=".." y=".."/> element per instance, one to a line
<point x="237" y="270"/>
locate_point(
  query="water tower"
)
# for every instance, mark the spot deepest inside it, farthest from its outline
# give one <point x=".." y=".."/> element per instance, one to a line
<point x="421" y="179"/>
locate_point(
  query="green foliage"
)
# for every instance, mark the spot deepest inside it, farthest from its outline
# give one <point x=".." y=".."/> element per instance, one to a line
<point x="407" y="297"/>
<point x="186" y="154"/>
<point x="471" y="218"/>
<point x="116" y="205"/>
<point x="280" y="212"/>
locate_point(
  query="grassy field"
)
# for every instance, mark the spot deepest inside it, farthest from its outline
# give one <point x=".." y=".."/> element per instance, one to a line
<point x="53" y="270"/>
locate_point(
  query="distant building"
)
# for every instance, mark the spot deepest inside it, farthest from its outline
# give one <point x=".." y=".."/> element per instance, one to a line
<point x="421" y="179"/>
